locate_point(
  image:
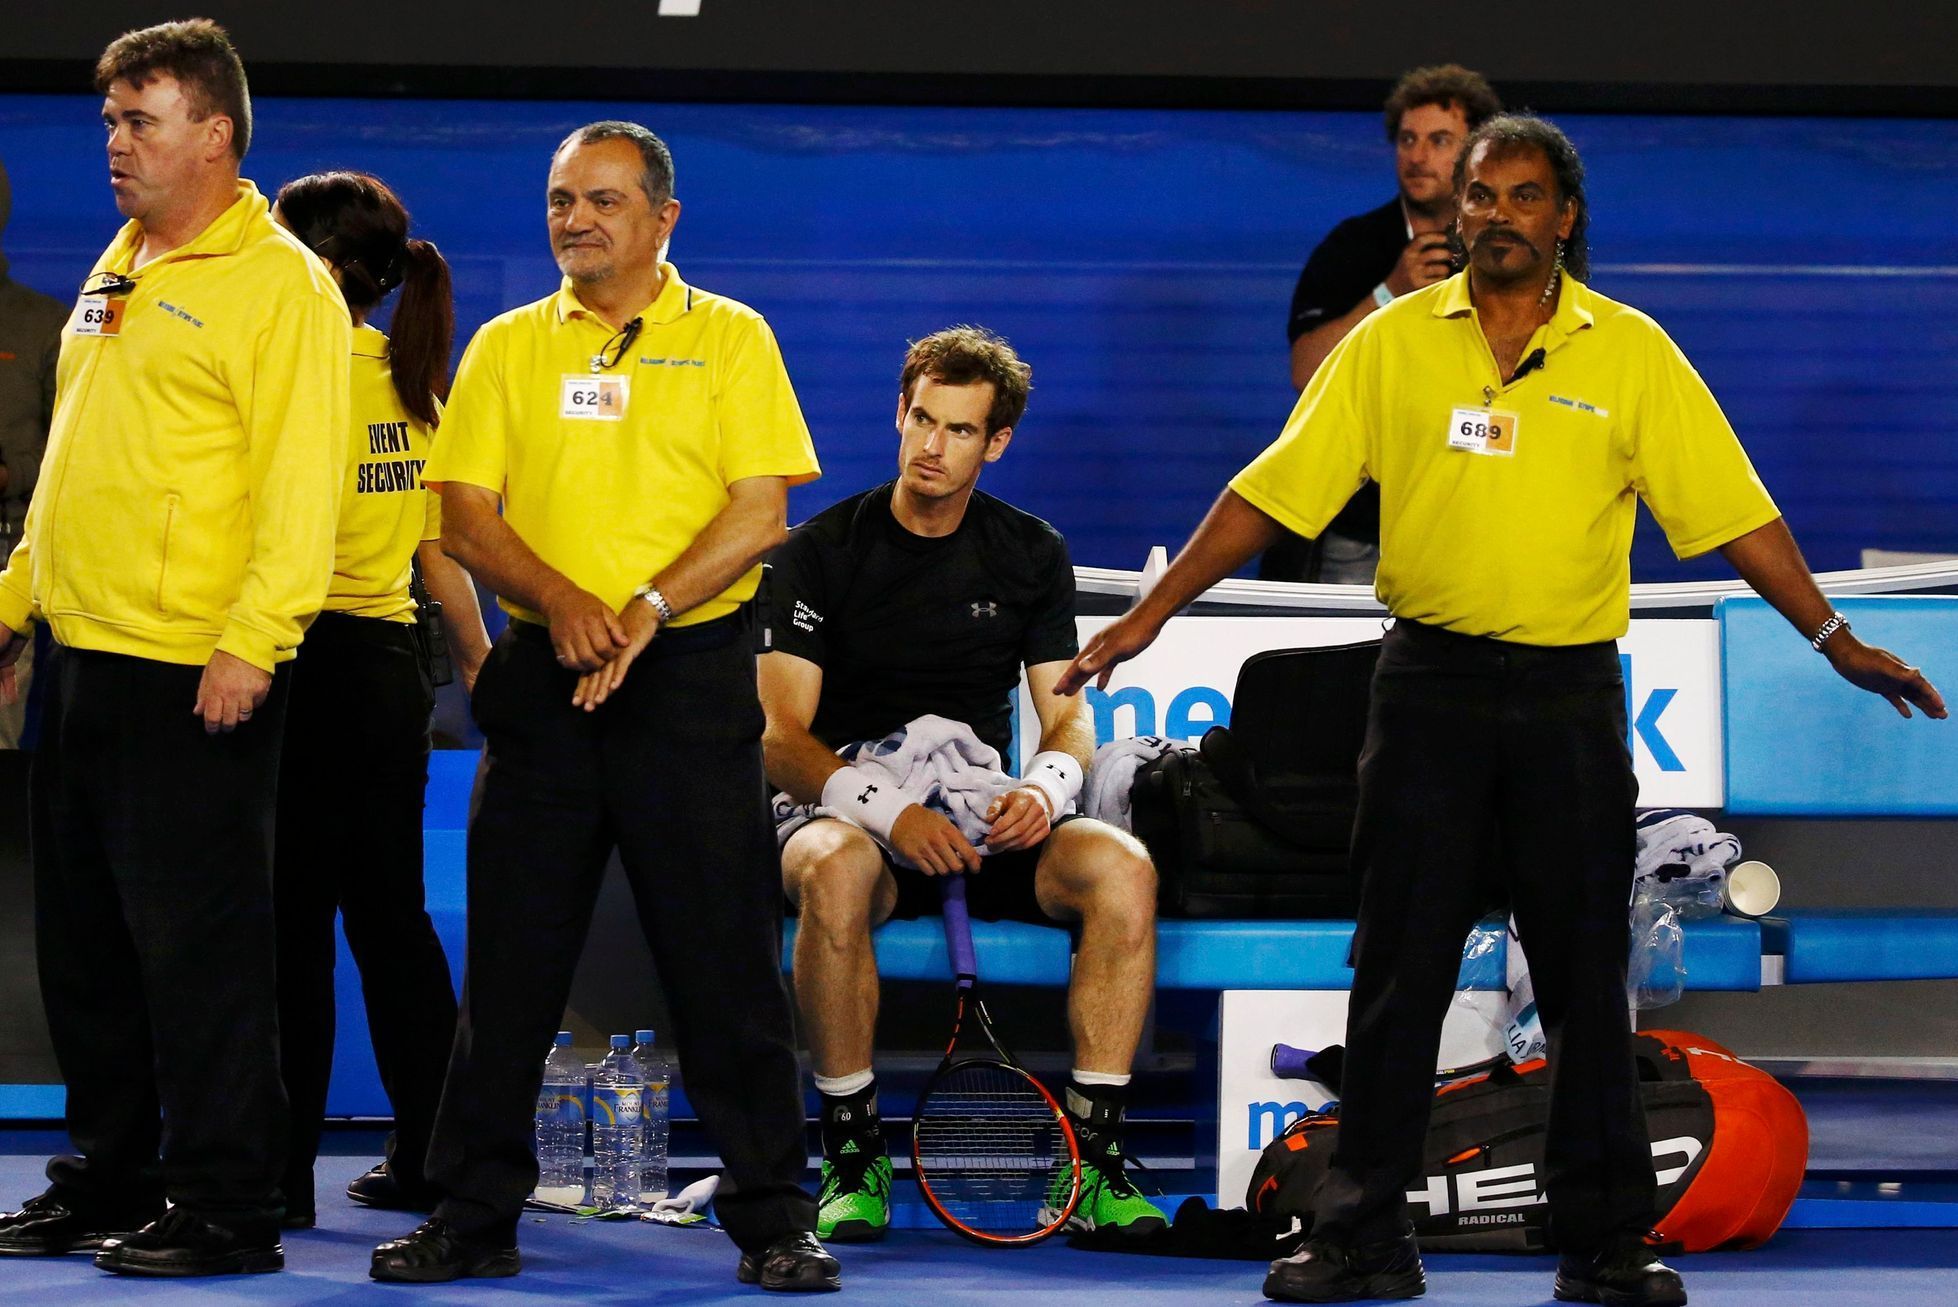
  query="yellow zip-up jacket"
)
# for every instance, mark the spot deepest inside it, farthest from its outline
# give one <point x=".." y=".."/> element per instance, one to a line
<point x="191" y="485"/>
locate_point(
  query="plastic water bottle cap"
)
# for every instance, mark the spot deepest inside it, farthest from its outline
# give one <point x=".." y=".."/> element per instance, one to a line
<point x="642" y="1036"/>
<point x="564" y="1039"/>
<point x="620" y="1041"/>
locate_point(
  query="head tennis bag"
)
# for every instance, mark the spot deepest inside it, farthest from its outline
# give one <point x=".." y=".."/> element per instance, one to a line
<point x="1729" y="1146"/>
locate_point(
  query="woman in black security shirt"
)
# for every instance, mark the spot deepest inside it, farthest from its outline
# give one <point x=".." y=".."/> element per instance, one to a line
<point x="355" y="762"/>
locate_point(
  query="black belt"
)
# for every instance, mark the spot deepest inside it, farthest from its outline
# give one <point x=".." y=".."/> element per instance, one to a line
<point x="1483" y="653"/>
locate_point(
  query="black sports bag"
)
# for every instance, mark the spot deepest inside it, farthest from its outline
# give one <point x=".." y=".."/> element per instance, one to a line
<point x="1729" y="1146"/>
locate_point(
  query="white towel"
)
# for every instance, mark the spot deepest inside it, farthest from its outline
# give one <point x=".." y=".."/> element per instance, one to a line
<point x="1676" y="874"/>
<point x="1111" y="775"/>
<point x="1675" y="838"/>
<point x="933" y="761"/>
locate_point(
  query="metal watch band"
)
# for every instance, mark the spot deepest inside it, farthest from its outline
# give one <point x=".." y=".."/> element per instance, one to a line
<point x="1836" y="622"/>
<point x="652" y="596"/>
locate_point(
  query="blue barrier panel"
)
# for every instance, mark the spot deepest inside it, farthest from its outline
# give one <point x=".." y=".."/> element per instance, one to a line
<point x="451" y="777"/>
<point x="1802" y="741"/>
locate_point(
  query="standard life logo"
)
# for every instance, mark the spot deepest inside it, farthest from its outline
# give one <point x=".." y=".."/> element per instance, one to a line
<point x="1642" y="718"/>
<point x="1186" y="713"/>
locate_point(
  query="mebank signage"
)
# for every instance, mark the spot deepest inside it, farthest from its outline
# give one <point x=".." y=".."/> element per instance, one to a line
<point x="1181" y="687"/>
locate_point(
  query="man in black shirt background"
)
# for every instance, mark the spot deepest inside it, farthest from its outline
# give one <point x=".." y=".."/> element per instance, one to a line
<point x="1363" y="264"/>
<point x="924" y="596"/>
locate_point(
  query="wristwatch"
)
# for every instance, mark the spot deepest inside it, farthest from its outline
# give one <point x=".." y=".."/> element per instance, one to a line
<point x="650" y="593"/>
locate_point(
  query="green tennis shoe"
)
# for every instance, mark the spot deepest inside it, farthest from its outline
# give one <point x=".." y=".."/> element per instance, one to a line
<point x="1109" y="1201"/>
<point x="854" y="1203"/>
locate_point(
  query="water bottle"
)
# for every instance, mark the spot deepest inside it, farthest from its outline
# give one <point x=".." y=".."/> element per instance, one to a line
<point x="652" y="1157"/>
<point x="617" y="1121"/>
<point x="561" y="1127"/>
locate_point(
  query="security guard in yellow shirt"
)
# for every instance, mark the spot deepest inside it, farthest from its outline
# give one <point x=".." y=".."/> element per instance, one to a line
<point x="1512" y="417"/>
<point x="180" y="540"/>
<point x="357" y="727"/>
<point x="641" y="436"/>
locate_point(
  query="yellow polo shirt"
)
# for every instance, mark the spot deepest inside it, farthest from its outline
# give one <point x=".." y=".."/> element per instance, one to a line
<point x="609" y="475"/>
<point x="191" y="484"/>
<point x="384" y="510"/>
<point x="1526" y="537"/>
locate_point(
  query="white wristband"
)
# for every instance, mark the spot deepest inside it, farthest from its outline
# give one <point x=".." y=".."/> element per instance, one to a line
<point x="1057" y="776"/>
<point x="1382" y="296"/>
<point x="865" y="798"/>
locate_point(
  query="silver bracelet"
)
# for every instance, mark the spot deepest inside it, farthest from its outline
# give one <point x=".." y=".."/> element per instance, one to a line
<point x="1836" y="622"/>
<point x="652" y="596"/>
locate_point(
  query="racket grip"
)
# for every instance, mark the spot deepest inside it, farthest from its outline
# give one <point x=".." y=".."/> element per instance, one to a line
<point x="1288" y="1063"/>
<point x="958" y="930"/>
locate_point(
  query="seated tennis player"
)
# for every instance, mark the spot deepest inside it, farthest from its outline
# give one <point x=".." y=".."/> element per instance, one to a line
<point x="925" y="598"/>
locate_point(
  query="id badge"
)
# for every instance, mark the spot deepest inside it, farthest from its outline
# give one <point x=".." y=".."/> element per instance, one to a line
<point x="99" y="315"/>
<point x="1482" y="431"/>
<point x="596" y="399"/>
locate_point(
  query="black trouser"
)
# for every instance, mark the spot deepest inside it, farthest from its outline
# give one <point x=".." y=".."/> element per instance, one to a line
<point x="669" y="772"/>
<point x="153" y="928"/>
<point x="350" y="841"/>
<point x="1478" y="749"/>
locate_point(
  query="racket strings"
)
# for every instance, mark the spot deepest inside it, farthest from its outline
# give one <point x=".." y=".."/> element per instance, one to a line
<point x="992" y="1150"/>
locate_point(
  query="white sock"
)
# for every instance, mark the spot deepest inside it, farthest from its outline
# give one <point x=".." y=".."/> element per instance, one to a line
<point x="1083" y="1077"/>
<point x="854" y="1083"/>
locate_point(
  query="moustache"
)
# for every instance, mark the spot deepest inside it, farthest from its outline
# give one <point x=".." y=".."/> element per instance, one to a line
<point x="1504" y="234"/>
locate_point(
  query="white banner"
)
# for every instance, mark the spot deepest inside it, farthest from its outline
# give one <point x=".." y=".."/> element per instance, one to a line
<point x="1181" y="686"/>
<point x="1253" y="1105"/>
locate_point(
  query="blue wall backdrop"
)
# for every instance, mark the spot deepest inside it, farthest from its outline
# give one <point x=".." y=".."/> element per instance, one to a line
<point x="1142" y="261"/>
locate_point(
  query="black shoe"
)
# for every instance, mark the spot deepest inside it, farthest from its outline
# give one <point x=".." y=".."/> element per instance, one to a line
<point x="795" y="1263"/>
<point x="378" y="1186"/>
<point x="47" y="1226"/>
<point x="436" y="1251"/>
<point x="295" y="1219"/>
<point x="1627" y="1275"/>
<point x="180" y="1242"/>
<point x="1325" y="1271"/>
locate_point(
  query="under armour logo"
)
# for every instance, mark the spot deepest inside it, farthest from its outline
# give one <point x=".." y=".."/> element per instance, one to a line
<point x="868" y="790"/>
<point x="987" y="609"/>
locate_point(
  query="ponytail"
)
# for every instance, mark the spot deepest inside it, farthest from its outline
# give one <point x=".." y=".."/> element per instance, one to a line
<point x="421" y="332"/>
<point x="354" y="222"/>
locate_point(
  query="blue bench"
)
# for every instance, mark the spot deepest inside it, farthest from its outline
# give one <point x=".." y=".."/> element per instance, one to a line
<point x="1821" y="945"/>
<point x="1723" y="953"/>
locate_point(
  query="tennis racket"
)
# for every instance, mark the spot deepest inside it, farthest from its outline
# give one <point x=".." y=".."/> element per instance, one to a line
<point x="990" y="1147"/>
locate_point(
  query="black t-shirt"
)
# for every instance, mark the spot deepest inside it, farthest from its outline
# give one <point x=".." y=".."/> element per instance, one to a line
<point x="1354" y="257"/>
<point x="904" y="625"/>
